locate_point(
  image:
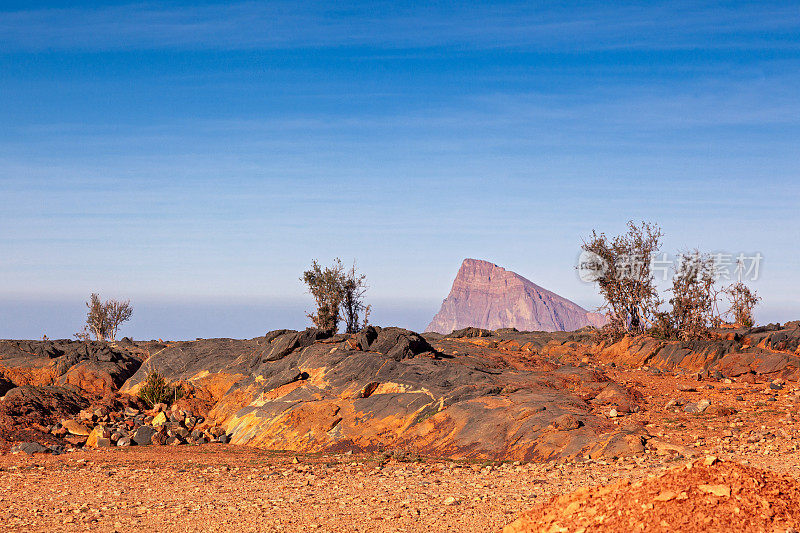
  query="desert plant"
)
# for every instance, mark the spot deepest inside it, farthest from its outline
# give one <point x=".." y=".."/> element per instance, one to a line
<point x="104" y="319"/>
<point x="157" y="389"/>
<point x="326" y="286"/>
<point x="621" y="268"/>
<point x="694" y="296"/>
<point x="354" y="286"/>
<point x="743" y="300"/>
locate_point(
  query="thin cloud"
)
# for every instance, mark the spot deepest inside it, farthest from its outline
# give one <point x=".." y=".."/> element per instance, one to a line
<point x="387" y="25"/>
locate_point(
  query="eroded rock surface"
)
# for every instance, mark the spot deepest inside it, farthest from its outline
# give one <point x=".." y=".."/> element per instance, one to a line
<point x="392" y="388"/>
<point x="487" y="296"/>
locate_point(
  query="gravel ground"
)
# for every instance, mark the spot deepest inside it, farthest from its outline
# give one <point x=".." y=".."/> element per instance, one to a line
<point x="217" y="487"/>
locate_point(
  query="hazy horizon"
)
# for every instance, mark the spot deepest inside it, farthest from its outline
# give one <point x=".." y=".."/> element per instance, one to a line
<point x="193" y="152"/>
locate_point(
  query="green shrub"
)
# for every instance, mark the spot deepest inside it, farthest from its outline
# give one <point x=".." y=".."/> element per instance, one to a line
<point x="157" y="389"/>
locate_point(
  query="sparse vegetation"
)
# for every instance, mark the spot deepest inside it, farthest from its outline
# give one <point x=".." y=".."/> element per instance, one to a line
<point x="337" y="292"/>
<point x="743" y="300"/>
<point x="623" y="275"/>
<point x="157" y="389"/>
<point x="104" y="319"/>
<point x="354" y="286"/>
<point x="694" y="296"/>
<point x="622" y="268"/>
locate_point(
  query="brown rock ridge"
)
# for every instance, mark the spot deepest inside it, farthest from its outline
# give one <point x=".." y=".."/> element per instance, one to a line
<point x="487" y="296"/>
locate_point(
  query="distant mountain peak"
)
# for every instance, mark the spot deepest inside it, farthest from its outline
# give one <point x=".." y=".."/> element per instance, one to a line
<point x="488" y="296"/>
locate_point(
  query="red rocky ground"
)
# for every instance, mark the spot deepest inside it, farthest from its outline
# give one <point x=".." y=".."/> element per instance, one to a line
<point x="669" y="405"/>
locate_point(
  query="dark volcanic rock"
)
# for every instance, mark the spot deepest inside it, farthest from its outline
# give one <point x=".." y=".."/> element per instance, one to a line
<point x="472" y="333"/>
<point x="42" y="405"/>
<point x="399" y="343"/>
<point x="216" y="364"/>
<point x="370" y="392"/>
<point x="30" y="448"/>
<point x="97" y="368"/>
<point x="144" y="435"/>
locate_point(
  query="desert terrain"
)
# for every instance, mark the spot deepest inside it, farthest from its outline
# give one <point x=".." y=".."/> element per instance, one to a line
<point x="388" y="430"/>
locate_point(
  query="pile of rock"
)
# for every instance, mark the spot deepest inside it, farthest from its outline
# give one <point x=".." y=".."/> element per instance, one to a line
<point x="101" y="427"/>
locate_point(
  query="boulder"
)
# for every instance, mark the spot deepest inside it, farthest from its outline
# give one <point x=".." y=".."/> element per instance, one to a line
<point x="144" y="435"/>
<point x="399" y="343"/>
<point x="75" y="428"/>
<point x="30" y="448"/>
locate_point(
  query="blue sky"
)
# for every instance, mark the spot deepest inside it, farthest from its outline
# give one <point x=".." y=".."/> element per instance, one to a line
<point x="195" y="157"/>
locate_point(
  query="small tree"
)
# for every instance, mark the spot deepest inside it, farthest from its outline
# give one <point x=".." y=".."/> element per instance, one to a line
<point x="104" y="319"/>
<point x="622" y="271"/>
<point x="326" y="286"/>
<point x="743" y="301"/>
<point x="694" y="296"/>
<point x="354" y="286"/>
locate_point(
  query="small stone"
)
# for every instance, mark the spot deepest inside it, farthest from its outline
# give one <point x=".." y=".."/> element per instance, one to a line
<point x="75" y="428"/>
<point x="710" y="460"/>
<point x="450" y="501"/>
<point x="159" y="420"/>
<point x="124" y="441"/>
<point x="716" y="490"/>
<point x="696" y="408"/>
<point x="76" y="440"/>
<point x="613" y="413"/>
<point x="665" y="496"/>
<point x="96" y="433"/>
<point x="566" y="422"/>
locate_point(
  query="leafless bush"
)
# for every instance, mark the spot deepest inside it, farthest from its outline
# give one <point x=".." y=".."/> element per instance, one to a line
<point x="694" y="296"/>
<point x="104" y="319"/>
<point x="354" y="287"/>
<point x="743" y="300"/>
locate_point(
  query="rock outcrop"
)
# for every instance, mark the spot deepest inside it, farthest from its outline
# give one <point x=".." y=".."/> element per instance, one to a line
<point x="96" y="368"/>
<point x="392" y="388"/>
<point x="487" y="296"/>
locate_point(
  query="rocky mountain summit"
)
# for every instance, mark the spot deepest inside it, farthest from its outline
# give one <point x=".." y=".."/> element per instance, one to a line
<point x="487" y="296"/>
